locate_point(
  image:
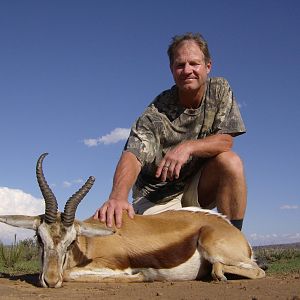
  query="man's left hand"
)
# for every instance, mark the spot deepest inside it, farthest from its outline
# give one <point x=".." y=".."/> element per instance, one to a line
<point x="171" y="164"/>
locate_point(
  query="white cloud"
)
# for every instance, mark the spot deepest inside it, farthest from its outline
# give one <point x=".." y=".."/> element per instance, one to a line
<point x="17" y="202"/>
<point x="118" y="134"/>
<point x="256" y="239"/>
<point x="242" y="104"/>
<point x="67" y="184"/>
<point x="287" y="206"/>
<point x="79" y="180"/>
<point x="91" y="142"/>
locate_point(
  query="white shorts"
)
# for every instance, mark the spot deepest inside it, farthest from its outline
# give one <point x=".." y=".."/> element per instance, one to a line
<point x="189" y="197"/>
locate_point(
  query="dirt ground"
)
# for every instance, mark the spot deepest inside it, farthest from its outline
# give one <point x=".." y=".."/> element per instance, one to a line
<point x="271" y="287"/>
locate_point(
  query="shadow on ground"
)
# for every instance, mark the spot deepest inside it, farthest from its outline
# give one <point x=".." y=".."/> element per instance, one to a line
<point x="32" y="279"/>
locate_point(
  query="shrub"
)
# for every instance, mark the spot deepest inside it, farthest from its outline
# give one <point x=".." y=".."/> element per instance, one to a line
<point x="276" y="254"/>
<point x="31" y="249"/>
<point x="10" y="255"/>
<point x="22" y="256"/>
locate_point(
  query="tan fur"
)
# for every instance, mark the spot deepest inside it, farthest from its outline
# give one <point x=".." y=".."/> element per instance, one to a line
<point x="173" y="245"/>
<point x="146" y="235"/>
<point x="167" y="240"/>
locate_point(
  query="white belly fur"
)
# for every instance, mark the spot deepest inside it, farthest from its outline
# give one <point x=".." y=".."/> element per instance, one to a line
<point x="189" y="270"/>
<point x="186" y="271"/>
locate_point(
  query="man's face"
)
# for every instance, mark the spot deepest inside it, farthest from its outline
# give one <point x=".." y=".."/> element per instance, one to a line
<point x="189" y="68"/>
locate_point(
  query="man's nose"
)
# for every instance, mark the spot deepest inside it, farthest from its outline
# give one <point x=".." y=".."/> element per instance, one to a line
<point x="187" y="68"/>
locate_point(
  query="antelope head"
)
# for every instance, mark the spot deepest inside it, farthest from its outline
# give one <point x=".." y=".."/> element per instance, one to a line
<point x="56" y="232"/>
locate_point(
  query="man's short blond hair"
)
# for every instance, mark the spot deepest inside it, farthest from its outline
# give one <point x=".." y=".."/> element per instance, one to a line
<point x="196" y="37"/>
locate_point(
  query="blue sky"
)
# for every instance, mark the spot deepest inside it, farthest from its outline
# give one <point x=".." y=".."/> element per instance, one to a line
<point x="76" y="71"/>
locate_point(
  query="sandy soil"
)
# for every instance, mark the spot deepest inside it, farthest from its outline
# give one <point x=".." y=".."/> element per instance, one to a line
<point x="271" y="287"/>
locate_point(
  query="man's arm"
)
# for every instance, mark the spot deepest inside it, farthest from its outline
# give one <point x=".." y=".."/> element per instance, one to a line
<point x="125" y="176"/>
<point x="176" y="157"/>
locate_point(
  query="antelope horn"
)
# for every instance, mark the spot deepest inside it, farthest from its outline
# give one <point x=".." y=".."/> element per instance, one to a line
<point x="50" y="200"/>
<point x="68" y="216"/>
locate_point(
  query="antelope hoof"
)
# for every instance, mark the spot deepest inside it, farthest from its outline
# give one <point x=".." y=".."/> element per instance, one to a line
<point x="218" y="277"/>
<point x="217" y="272"/>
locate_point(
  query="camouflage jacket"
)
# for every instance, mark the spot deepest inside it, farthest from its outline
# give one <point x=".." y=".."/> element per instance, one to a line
<point x="165" y="124"/>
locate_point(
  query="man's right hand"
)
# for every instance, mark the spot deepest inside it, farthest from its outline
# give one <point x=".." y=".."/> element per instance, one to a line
<point x="112" y="210"/>
<point x="125" y="176"/>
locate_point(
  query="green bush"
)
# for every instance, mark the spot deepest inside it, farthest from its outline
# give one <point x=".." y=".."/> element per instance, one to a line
<point x="21" y="256"/>
<point x="31" y="249"/>
<point x="280" y="260"/>
<point x="276" y="254"/>
<point x="10" y="255"/>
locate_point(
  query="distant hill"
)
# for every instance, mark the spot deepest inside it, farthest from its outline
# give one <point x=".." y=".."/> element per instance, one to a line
<point x="279" y="246"/>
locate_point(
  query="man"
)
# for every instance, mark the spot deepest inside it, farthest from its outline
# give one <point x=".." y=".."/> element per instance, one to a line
<point x="179" y="152"/>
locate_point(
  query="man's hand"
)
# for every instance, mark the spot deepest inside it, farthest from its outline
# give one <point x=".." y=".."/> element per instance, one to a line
<point x="125" y="176"/>
<point x="171" y="164"/>
<point x="112" y="210"/>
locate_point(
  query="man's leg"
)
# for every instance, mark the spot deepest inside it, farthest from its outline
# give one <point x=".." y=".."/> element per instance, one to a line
<point x="142" y="206"/>
<point x="223" y="182"/>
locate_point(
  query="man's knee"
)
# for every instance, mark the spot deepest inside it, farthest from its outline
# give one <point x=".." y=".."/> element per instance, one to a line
<point x="229" y="162"/>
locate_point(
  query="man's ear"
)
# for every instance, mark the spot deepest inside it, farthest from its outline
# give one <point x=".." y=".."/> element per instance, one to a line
<point x="208" y="67"/>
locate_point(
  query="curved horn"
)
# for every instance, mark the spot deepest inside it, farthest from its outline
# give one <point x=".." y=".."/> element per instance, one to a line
<point x="50" y="200"/>
<point x="68" y="216"/>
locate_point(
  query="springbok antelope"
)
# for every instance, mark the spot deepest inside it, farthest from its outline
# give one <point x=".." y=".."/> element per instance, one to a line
<point x="175" y="245"/>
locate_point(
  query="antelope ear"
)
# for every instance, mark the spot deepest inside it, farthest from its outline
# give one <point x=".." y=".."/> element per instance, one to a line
<point x="28" y="222"/>
<point x="90" y="230"/>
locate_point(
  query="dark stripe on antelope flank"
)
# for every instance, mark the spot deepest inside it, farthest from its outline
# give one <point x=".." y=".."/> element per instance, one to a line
<point x="169" y="257"/>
